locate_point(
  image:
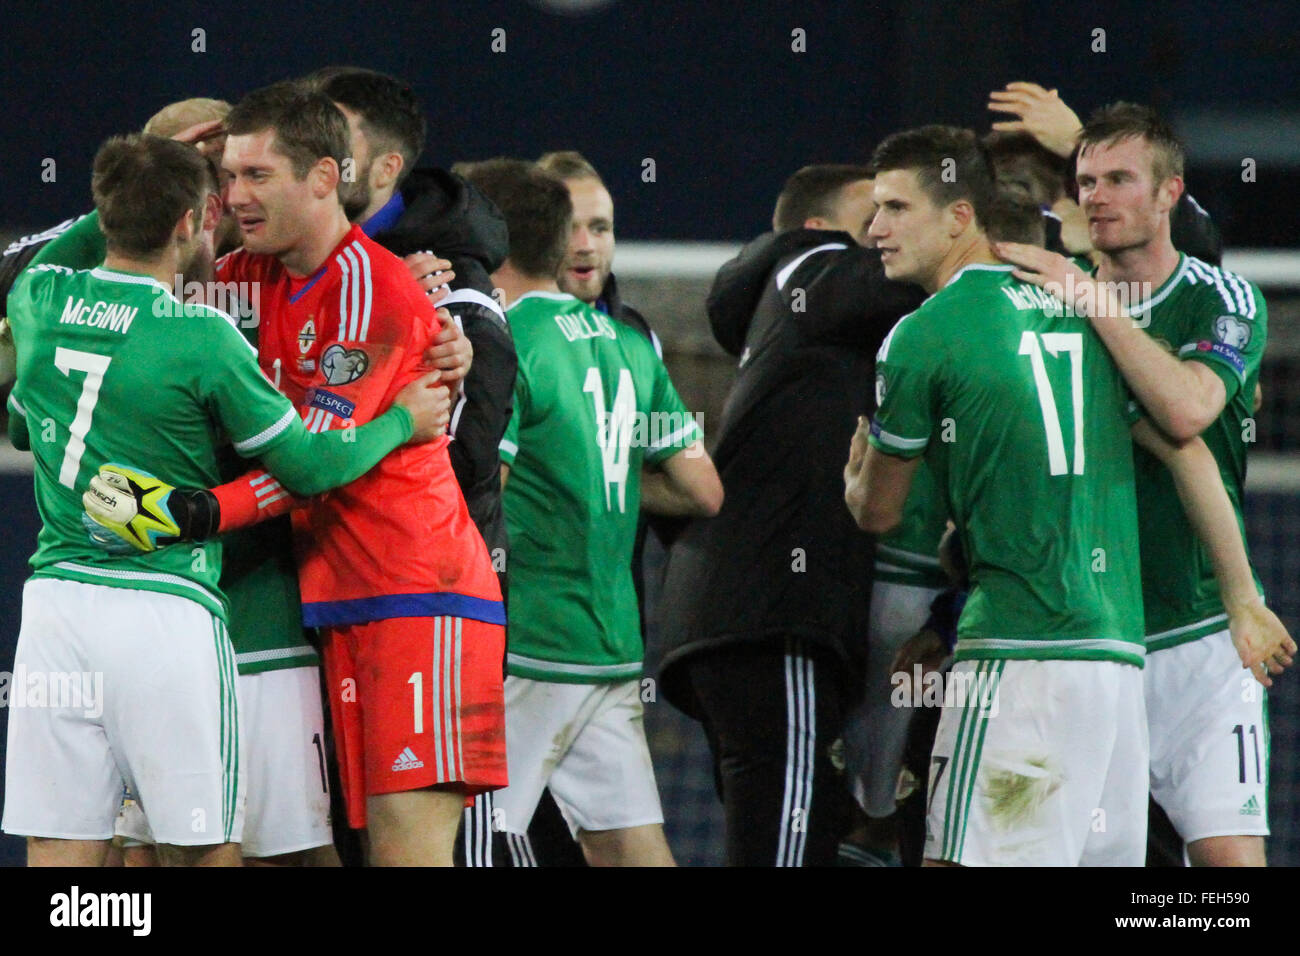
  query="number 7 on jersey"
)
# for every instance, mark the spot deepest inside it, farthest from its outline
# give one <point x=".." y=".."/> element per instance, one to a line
<point x="68" y="361"/>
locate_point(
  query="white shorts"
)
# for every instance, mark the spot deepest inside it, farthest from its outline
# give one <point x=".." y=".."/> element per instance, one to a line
<point x="587" y="743"/>
<point x="1209" y="739"/>
<point x="165" y="721"/>
<point x="875" y="734"/>
<point x="1053" y="774"/>
<point x="288" y="806"/>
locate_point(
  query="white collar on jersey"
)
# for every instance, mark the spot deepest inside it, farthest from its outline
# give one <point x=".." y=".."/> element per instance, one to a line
<point x="555" y="296"/>
<point x="981" y="266"/>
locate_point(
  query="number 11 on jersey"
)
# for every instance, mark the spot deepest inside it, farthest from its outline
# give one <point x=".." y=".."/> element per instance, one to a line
<point x="1055" y="343"/>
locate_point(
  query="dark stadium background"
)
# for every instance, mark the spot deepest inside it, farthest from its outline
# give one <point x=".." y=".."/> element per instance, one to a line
<point x="714" y="94"/>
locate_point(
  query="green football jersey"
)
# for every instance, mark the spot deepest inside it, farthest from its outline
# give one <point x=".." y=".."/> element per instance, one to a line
<point x="258" y="575"/>
<point x="1209" y="315"/>
<point x="910" y="553"/>
<point x="1023" y="418"/>
<point x="112" y="368"/>
<point x="593" y="402"/>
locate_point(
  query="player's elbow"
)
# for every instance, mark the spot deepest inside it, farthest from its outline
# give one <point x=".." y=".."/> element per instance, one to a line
<point x="879" y="522"/>
<point x="694" y="477"/>
<point x="1186" y="423"/>
<point x="709" y="497"/>
<point x="868" y="513"/>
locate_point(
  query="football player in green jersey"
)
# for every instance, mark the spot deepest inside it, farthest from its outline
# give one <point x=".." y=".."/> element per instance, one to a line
<point x="1016" y="405"/>
<point x="593" y="406"/>
<point x="1192" y="360"/>
<point x="113" y="367"/>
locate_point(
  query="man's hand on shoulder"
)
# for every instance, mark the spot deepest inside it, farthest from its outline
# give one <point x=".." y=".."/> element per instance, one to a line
<point x="429" y="404"/>
<point x="432" y="273"/>
<point x="451" y="352"/>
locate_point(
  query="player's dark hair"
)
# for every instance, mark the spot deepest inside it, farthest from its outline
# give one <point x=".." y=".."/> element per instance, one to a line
<point x="569" y="164"/>
<point x="1014" y="217"/>
<point x="307" y="125"/>
<point x="142" y="185"/>
<point x="1121" y="121"/>
<point x="949" y="163"/>
<point x="391" y="116"/>
<point x="537" y="209"/>
<point x="1022" y="163"/>
<point x="814" y="192"/>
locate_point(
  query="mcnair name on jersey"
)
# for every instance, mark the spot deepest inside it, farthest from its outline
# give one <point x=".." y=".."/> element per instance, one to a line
<point x="102" y="315"/>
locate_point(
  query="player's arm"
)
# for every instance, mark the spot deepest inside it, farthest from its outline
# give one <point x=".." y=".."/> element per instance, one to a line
<point x="80" y="246"/>
<point x="144" y="512"/>
<point x="678" y="476"/>
<point x="310" y="463"/>
<point x="876" y="483"/>
<point x="1182" y="397"/>
<point x="1039" y="112"/>
<point x="18" y="433"/>
<point x="885" y="452"/>
<point x="1261" y="640"/>
<point x="686" y="483"/>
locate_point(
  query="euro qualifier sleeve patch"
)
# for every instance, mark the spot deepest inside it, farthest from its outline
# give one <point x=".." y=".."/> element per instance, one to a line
<point x="1232" y="331"/>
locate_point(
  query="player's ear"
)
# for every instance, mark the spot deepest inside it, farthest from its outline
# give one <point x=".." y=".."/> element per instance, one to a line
<point x="185" y="227"/>
<point x="324" y="177"/>
<point x="390" y="167"/>
<point x="960" y="215"/>
<point x="213" y="209"/>
<point x="1170" y="191"/>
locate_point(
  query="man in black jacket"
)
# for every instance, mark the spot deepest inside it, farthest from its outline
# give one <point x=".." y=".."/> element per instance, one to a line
<point x="765" y="610"/>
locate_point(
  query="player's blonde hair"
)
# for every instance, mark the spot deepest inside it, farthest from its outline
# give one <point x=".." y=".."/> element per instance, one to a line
<point x="569" y="164"/>
<point x="183" y="114"/>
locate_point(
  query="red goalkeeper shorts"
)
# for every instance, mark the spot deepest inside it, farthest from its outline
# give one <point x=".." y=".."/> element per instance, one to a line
<point x="416" y="702"/>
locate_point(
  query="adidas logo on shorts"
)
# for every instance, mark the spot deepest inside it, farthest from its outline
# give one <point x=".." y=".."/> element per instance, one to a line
<point x="407" y="760"/>
<point x="1250" y="808"/>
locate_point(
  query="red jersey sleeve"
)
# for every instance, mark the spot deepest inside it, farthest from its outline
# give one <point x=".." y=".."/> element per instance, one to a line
<point x="253" y="497"/>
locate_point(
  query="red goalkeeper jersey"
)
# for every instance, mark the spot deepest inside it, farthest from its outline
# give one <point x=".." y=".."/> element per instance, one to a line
<point x="341" y="343"/>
